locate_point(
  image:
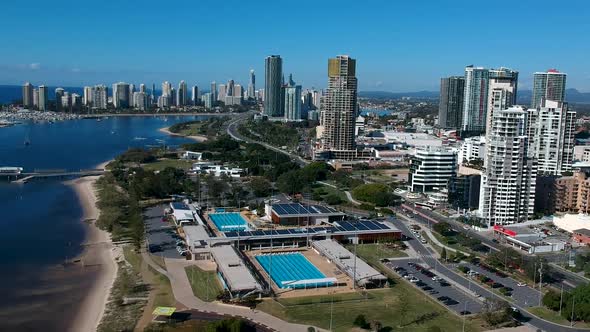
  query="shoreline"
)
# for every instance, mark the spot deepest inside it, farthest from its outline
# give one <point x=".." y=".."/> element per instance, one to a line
<point x="85" y="116"/>
<point x="98" y="250"/>
<point x="196" y="138"/>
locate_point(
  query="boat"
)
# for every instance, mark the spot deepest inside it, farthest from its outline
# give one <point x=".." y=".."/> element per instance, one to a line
<point x="136" y="138"/>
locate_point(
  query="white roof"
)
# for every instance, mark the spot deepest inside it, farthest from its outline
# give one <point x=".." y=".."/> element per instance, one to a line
<point x="234" y="271"/>
<point x="195" y="233"/>
<point x="344" y="259"/>
<point x="571" y="222"/>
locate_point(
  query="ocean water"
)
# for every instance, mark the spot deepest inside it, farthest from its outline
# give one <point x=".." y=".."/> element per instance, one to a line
<point x="40" y="222"/>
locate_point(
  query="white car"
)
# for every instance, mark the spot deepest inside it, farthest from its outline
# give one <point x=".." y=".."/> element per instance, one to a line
<point x="414" y="279"/>
<point x="521" y="284"/>
<point x="423" y="241"/>
<point x="436" y="278"/>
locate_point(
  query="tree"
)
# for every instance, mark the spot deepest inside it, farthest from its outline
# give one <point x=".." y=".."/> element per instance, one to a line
<point x="376" y="193"/>
<point x="495" y="311"/>
<point x="361" y="321"/>
<point x="332" y="199"/>
<point x="260" y="187"/>
<point x="290" y="182"/>
<point x="443" y="254"/>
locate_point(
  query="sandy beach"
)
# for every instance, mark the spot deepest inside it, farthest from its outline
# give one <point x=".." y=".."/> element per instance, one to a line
<point x="98" y="251"/>
<point x="198" y="138"/>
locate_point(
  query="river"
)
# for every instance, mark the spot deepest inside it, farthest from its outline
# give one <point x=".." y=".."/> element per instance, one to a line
<point x="41" y="223"/>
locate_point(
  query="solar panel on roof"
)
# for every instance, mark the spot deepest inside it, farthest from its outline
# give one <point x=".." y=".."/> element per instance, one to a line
<point x="257" y="233"/>
<point x="283" y="231"/>
<point x="361" y="226"/>
<point x="231" y="234"/>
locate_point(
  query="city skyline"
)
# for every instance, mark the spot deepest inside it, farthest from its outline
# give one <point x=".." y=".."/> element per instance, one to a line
<point x="406" y="55"/>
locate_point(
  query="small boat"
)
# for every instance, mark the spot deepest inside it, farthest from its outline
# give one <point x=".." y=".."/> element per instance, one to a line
<point x="139" y="138"/>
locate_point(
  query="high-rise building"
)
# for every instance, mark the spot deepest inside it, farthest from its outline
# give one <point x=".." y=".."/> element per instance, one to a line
<point x="450" y="108"/>
<point x="66" y="102"/>
<point x="317" y="98"/>
<point x="36" y="98"/>
<point x="549" y="85"/>
<point x="182" y="98"/>
<point x="28" y="95"/>
<point x="196" y="98"/>
<point x="502" y="88"/>
<point x="121" y="97"/>
<point x="551" y="129"/>
<point x="173" y="97"/>
<point x="214" y="90"/>
<point x="208" y="100"/>
<point x="100" y="97"/>
<point x="166" y="89"/>
<point x="292" y="94"/>
<point x="59" y="93"/>
<point x="153" y="92"/>
<point x="431" y="168"/>
<point x="252" y="85"/>
<point x="508" y="183"/>
<point x="43" y="98"/>
<point x="229" y="90"/>
<point x="475" y="102"/>
<point x="221" y="92"/>
<point x="87" y="96"/>
<point x="76" y="102"/>
<point x="142" y="88"/>
<point x="273" y="71"/>
<point x="140" y="101"/>
<point x="339" y="108"/>
<point x="131" y="91"/>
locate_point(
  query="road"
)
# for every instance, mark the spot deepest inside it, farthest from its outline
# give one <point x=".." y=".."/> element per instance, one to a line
<point x="570" y="280"/>
<point x="232" y="130"/>
<point x="447" y="272"/>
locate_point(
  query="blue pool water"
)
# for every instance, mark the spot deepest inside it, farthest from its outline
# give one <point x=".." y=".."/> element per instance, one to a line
<point x="293" y="270"/>
<point x="227" y="222"/>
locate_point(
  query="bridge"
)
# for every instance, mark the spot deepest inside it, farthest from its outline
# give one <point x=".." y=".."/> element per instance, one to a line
<point x="56" y="173"/>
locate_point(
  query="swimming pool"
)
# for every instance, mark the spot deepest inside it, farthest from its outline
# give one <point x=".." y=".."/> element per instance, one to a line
<point x="229" y="221"/>
<point x="293" y="270"/>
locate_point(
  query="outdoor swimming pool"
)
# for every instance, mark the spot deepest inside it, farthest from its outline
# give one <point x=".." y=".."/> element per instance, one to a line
<point x="293" y="270"/>
<point x="229" y="221"/>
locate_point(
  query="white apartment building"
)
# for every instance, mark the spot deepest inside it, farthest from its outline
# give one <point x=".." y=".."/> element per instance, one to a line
<point x="551" y="133"/>
<point x="472" y="148"/>
<point x="507" y="193"/>
<point x="431" y="168"/>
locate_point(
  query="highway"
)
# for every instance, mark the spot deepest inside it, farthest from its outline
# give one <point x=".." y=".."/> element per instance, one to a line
<point x="448" y="272"/>
<point x="232" y="130"/>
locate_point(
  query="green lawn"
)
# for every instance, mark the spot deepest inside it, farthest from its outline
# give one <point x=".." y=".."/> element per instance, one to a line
<point x="400" y="307"/>
<point x="553" y="316"/>
<point x="372" y="253"/>
<point x="163" y="163"/>
<point x="204" y="283"/>
<point x="327" y="190"/>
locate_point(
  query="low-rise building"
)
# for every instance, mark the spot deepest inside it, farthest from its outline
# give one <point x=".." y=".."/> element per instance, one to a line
<point x="531" y="242"/>
<point x="431" y="169"/>
<point x="216" y="170"/>
<point x="581" y="235"/>
<point x="472" y="148"/>
<point x="190" y="155"/>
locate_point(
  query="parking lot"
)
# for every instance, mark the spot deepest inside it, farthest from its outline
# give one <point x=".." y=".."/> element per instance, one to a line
<point x="161" y="235"/>
<point x="522" y="295"/>
<point x="414" y="271"/>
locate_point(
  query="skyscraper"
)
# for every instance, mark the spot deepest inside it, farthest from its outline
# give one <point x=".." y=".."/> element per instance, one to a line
<point x="339" y="108"/>
<point x="221" y="93"/>
<point x="508" y="184"/>
<point x="28" y="95"/>
<point x="292" y="95"/>
<point x="195" y="95"/>
<point x="121" y="97"/>
<point x="252" y="85"/>
<point x="549" y="85"/>
<point x="142" y="88"/>
<point x="43" y="98"/>
<point x="475" y="103"/>
<point x="273" y="71"/>
<point x="182" y="98"/>
<point x="551" y="130"/>
<point x="87" y="96"/>
<point x="502" y="88"/>
<point x="213" y="90"/>
<point x="450" y="108"/>
<point x="100" y="97"/>
<point x="59" y="93"/>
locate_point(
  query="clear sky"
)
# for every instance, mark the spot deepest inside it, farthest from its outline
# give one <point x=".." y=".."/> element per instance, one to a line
<point x="399" y="45"/>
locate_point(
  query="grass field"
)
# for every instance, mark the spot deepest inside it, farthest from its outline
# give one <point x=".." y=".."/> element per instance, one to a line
<point x="372" y="253"/>
<point x="204" y="283"/>
<point x="163" y="163"/>
<point x="554" y="316"/>
<point x="401" y="307"/>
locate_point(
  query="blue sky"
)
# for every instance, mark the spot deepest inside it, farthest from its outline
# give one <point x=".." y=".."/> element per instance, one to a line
<point x="399" y="45"/>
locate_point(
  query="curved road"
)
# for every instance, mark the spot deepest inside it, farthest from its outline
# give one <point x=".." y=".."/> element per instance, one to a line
<point x="232" y="130"/>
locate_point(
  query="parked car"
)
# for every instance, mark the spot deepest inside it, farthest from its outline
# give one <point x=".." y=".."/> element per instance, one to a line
<point x="521" y="284"/>
<point x="154" y="248"/>
<point x="414" y="279"/>
<point x="465" y="312"/>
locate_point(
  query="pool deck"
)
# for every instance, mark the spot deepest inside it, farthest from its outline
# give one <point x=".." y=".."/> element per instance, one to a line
<point x="328" y="269"/>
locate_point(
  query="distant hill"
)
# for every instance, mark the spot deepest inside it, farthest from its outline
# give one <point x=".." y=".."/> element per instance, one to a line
<point x="524" y="96"/>
<point x="398" y="95"/>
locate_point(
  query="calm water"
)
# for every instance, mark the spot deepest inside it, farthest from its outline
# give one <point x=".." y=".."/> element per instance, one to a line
<point x="40" y="223"/>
